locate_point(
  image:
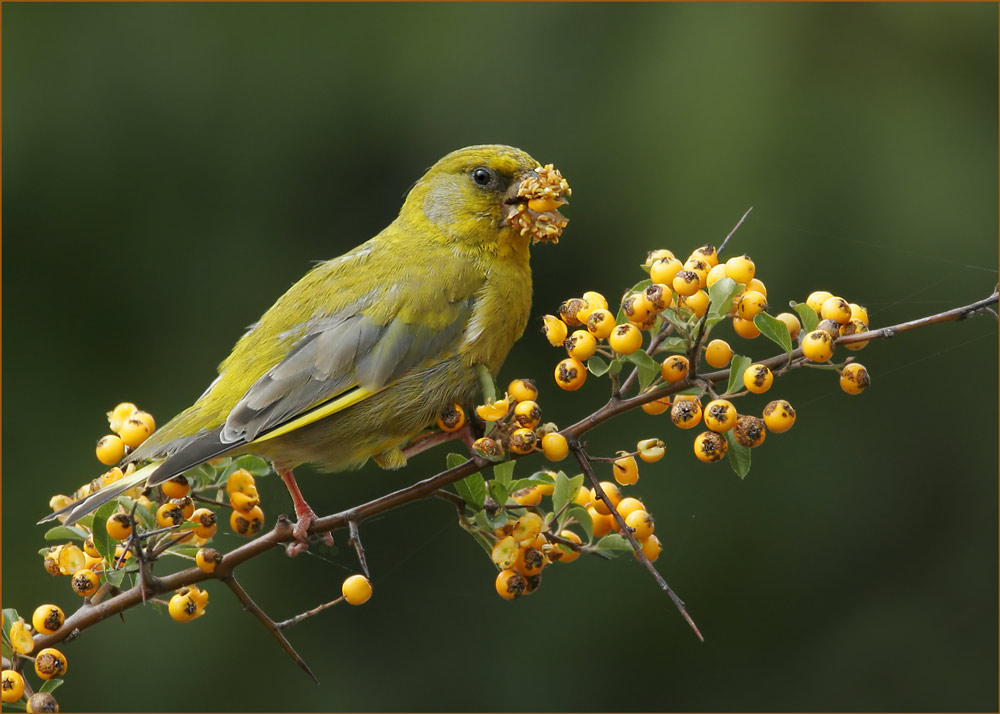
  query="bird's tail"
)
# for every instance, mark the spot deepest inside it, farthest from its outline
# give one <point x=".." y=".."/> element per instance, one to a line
<point x="76" y="511"/>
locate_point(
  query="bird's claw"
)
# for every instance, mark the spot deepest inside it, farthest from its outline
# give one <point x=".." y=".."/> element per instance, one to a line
<point x="306" y="517"/>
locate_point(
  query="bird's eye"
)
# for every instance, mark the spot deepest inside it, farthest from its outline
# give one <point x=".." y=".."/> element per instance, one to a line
<point x="482" y="176"/>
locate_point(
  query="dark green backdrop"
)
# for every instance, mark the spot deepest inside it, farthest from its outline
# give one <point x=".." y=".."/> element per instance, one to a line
<point x="169" y="169"/>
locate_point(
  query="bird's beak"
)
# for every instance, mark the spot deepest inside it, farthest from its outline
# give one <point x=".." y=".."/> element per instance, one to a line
<point x="532" y="205"/>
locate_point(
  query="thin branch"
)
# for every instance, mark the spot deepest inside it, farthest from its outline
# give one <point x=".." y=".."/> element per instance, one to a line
<point x="624" y="530"/>
<point x="308" y="613"/>
<point x="735" y="228"/>
<point x="272" y="627"/>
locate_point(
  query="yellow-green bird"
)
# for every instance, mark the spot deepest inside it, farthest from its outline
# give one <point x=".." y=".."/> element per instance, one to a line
<point x="365" y="351"/>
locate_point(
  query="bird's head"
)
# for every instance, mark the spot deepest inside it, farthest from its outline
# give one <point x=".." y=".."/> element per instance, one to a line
<point x="490" y="194"/>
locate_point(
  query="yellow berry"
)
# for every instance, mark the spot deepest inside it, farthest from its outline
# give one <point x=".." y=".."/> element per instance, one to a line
<point x="625" y="339"/>
<point x="530" y="561"/>
<point x="581" y="345"/>
<point x="697" y="303"/>
<point x="527" y="414"/>
<point x="183" y="607"/>
<point x="674" y="368"/>
<point x="554" y="329"/>
<point x="47" y="619"/>
<point x="627" y="505"/>
<point x="71" y="559"/>
<point x="239" y="480"/>
<point x="664" y="270"/>
<point x="118" y="415"/>
<point x="247" y="524"/>
<point x="555" y="447"/>
<point x="791" y="322"/>
<point x="568" y="555"/>
<point x="569" y="309"/>
<point x="757" y="378"/>
<point x="50" y="663"/>
<point x="595" y="300"/>
<point x="779" y="416"/>
<point x="699" y="267"/>
<point x="641" y="523"/>
<point x="20" y="637"/>
<point x="177" y="487"/>
<point x="749" y="431"/>
<point x="245" y="501"/>
<point x="11" y="686"/>
<point x="169" y="514"/>
<point x="757" y="285"/>
<point x="207" y="559"/>
<point x="510" y="584"/>
<point x="817" y="298"/>
<point x="530" y="496"/>
<point x="658" y="297"/>
<point x="111" y="476"/>
<point x="852" y="327"/>
<point x="494" y="411"/>
<point x="854" y="378"/>
<point x="745" y="328"/>
<point x="836" y="309"/>
<point x="686" y="282"/>
<point x="741" y="269"/>
<point x="612" y="492"/>
<point x="206" y="520"/>
<point x="658" y="254"/>
<point x="487" y="447"/>
<point x="751" y="304"/>
<point x="526" y="528"/>
<point x="602" y="523"/>
<point x="356" y="590"/>
<point x="651" y="450"/>
<point x="817" y="346"/>
<point x="522" y="441"/>
<point x="523" y="390"/>
<point x="110" y="450"/>
<point x="119" y="526"/>
<point x="137" y="429"/>
<point x="626" y="470"/>
<point x="570" y="374"/>
<point x="859" y="313"/>
<point x="42" y="703"/>
<point x="651" y="548"/>
<point x="720" y="415"/>
<point x="709" y="446"/>
<point x="84" y="582"/>
<point x="584" y="497"/>
<point x="451" y="418"/>
<point x="718" y="353"/>
<point x="707" y="253"/>
<point x="657" y="406"/>
<point x="686" y="413"/>
<point x="717" y="273"/>
<point x="600" y="323"/>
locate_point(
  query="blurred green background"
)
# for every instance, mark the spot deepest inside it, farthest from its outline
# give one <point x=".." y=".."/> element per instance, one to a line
<point x="170" y="169"/>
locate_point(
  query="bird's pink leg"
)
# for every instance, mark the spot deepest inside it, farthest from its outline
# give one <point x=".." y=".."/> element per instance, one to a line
<point x="304" y="515"/>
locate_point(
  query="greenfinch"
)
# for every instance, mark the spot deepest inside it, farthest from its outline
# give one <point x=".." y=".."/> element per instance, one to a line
<point x="362" y="353"/>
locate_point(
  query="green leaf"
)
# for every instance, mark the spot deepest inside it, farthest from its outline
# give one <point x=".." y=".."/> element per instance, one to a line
<point x="254" y="464"/>
<point x="649" y="368"/>
<point x="102" y="541"/>
<point x="739" y="456"/>
<point x="677" y="345"/>
<point x="498" y="492"/>
<point x="9" y="616"/>
<point x="774" y="329"/>
<point x="147" y="519"/>
<point x="204" y="474"/>
<point x="808" y="316"/>
<point x="472" y="489"/>
<point x="486" y="384"/>
<point x="452" y="460"/>
<point x="115" y="577"/>
<point x="65" y="533"/>
<point x="497" y="520"/>
<point x="563" y="492"/>
<point x="579" y="513"/>
<point x="504" y="472"/>
<point x="597" y="366"/>
<point x="50" y="686"/>
<point x="736" y="370"/>
<point x="542" y="477"/>
<point x="87" y="522"/>
<point x="721" y="296"/>
<point x="612" y="543"/>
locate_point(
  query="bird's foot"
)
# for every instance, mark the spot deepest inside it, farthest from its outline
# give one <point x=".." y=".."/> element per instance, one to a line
<point x="305" y="516"/>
